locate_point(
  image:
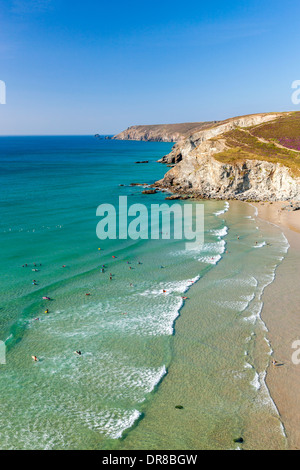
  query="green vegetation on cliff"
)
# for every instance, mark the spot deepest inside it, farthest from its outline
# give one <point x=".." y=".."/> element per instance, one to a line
<point x="275" y="141"/>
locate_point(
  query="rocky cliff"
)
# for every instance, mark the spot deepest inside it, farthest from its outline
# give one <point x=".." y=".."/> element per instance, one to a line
<point x="162" y="132"/>
<point x="231" y="160"/>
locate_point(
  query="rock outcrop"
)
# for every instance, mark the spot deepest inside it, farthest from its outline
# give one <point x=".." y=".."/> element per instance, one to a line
<point x="204" y="166"/>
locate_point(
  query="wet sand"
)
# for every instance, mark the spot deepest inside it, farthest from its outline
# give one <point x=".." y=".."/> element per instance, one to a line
<point x="281" y="313"/>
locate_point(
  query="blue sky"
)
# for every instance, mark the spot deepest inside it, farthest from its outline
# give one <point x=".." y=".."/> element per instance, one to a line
<point x="84" y="67"/>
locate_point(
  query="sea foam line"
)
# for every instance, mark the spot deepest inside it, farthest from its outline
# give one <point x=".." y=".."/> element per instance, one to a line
<point x="226" y="208"/>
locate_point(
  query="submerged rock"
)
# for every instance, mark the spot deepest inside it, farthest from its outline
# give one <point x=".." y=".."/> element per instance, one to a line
<point x="149" y="191"/>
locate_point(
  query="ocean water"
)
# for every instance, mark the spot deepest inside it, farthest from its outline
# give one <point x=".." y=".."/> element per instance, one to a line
<point x="145" y="351"/>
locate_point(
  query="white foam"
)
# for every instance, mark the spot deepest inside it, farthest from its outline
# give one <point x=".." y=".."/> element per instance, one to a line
<point x="210" y="259"/>
<point x="248" y="366"/>
<point x="220" y="233"/>
<point x="171" y="287"/>
<point x="256" y="382"/>
<point x="260" y="245"/>
<point x="216" y="248"/>
<point x="226" y="208"/>
<point x="112" y="423"/>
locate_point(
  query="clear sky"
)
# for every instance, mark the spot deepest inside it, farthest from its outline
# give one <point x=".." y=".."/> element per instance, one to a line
<point x="85" y="67"/>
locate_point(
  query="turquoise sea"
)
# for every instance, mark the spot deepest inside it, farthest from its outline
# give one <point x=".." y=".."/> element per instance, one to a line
<point x="144" y="351"/>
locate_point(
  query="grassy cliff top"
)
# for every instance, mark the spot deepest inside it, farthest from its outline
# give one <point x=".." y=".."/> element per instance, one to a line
<point x="277" y="141"/>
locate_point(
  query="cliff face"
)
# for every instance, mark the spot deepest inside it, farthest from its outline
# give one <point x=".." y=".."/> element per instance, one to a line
<point x="255" y="180"/>
<point x="227" y="161"/>
<point x="162" y="132"/>
<point x="184" y="148"/>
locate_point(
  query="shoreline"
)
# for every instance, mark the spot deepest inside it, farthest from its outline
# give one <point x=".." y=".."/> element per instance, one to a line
<point x="280" y="315"/>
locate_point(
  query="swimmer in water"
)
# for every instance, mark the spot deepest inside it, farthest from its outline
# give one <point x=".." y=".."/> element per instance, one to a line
<point x="35" y="358"/>
<point x="47" y="311"/>
<point x="78" y="353"/>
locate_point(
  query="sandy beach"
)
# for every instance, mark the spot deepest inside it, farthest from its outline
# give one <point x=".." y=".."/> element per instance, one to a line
<point x="281" y="315"/>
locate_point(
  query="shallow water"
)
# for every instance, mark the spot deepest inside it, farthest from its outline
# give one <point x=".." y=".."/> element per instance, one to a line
<point x="137" y="363"/>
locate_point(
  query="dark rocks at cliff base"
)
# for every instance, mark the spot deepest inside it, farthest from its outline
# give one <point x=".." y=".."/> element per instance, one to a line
<point x="292" y="207"/>
<point x="177" y="196"/>
<point x="149" y="191"/>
